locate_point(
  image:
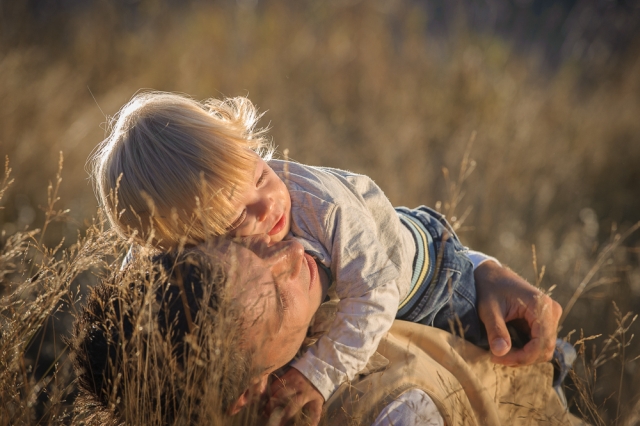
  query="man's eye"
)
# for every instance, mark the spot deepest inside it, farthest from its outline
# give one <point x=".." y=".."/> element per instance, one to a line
<point x="262" y="177"/>
<point x="284" y="300"/>
<point x="237" y="222"/>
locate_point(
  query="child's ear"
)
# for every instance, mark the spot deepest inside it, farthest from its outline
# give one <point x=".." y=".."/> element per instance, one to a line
<point x="250" y="395"/>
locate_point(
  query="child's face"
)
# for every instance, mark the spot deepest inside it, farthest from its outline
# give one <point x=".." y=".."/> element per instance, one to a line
<point x="263" y="207"/>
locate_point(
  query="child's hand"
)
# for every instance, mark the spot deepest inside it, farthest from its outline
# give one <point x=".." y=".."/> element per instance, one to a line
<point x="295" y="392"/>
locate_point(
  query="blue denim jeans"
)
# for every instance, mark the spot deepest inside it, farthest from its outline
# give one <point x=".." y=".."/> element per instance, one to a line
<point x="449" y="302"/>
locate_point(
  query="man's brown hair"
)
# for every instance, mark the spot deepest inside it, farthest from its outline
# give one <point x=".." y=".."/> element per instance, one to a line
<point x="159" y="344"/>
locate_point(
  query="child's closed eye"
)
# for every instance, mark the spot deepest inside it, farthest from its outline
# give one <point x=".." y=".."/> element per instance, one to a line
<point x="236" y="223"/>
<point x="262" y="177"/>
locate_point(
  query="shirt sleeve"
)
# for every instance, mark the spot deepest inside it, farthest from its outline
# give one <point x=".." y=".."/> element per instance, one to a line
<point x="413" y="407"/>
<point x="348" y="223"/>
<point x="366" y="285"/>
<point x="478" y="258"/>
<point x="355" y="333"/>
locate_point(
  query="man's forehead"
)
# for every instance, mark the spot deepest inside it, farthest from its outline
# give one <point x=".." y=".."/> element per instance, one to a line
<point x="243" y="265"/>
<point x="263" y="317"/>
<point x="245" y="248"/>
<point x="251" y="280"/>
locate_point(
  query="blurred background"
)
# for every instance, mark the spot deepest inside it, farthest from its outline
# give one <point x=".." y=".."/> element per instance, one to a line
<point x="549" y="92"/>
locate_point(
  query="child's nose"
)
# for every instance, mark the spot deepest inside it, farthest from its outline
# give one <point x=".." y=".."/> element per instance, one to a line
<point x="264" y="208"/>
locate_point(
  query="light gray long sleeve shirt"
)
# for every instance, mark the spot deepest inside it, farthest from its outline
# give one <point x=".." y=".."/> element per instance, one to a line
<point x="347" y="223"/>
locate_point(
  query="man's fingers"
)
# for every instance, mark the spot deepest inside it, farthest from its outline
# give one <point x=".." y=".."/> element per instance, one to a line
<point x="497" y="333"/>
<point x="529" y="354"/>
<point x="545" y="325"/>
<point x="503" y="296"/>
<point x="499" y="346"/>
<point x="534" y="331"/>
<point x="541" y="319"/>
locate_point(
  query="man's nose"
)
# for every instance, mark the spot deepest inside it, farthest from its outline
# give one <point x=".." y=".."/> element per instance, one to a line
<point x="287" y="258"/>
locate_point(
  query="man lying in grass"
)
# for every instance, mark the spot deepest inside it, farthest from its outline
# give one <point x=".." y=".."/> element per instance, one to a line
<point x="186" y="171"/>
<point x="194" y="338"/>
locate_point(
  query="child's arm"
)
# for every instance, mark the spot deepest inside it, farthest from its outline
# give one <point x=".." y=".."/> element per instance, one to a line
<point x="347" y="222"/>
<point x="338" y="355"/>
<point x="364" y="261"/>
<point x="353" y="337"/>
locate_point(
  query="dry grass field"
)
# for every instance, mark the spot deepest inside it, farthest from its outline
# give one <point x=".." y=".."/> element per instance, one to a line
<point x="550" y="183"/>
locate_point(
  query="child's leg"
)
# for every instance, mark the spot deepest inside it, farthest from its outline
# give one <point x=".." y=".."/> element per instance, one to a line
<point x="458" y="314"/>
<point x="449" y="299"/>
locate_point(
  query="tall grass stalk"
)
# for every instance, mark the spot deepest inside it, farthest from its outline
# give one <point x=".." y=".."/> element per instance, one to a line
<point x="357" y="85"/>
<point x="39" y="285"/>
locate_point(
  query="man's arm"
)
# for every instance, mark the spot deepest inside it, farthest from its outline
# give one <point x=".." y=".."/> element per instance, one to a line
<point x="504" y="296"/>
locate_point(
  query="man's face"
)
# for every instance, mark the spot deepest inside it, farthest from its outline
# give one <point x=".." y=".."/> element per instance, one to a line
<point x="263" y="206"/>
<point x="280" y="291"/>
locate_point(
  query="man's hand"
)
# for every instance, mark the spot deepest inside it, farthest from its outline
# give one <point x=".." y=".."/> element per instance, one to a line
<point x="295" y="392"/>
<point x="503" y="296"/>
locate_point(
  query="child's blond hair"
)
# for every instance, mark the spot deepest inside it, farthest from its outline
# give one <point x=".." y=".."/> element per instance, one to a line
<point x="169" y="167"/>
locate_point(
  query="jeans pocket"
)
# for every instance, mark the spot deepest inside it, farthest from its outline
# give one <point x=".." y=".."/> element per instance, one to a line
<point x="442" y="230"/>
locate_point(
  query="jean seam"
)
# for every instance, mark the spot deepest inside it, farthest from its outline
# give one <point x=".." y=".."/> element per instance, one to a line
<point x="447" y="299"/>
